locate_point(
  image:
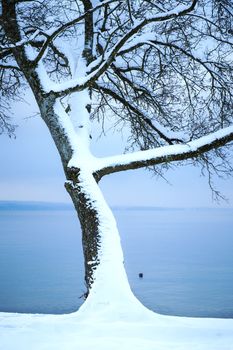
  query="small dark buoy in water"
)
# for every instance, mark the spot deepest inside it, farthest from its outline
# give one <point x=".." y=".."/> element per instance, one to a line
<point x="140" y="275"/>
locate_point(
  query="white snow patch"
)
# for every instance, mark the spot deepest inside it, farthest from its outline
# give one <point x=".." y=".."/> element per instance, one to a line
<point x="114" y="327"/>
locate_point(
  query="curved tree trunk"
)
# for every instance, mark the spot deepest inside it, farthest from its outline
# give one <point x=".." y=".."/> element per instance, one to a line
<point x="104" y="267"/>
<point x="103" y="257"/>
<point x="89" y="221"/>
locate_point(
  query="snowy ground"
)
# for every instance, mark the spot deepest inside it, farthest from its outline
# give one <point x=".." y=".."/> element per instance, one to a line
<point x="113" y="327"/>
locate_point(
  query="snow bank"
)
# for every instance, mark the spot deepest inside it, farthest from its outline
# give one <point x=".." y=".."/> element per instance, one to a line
<point x="112" y="330"/>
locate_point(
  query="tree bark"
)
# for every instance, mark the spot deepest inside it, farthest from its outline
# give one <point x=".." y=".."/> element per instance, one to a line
<point x="89" y="221"/>
<point x="83" y="202"/>
<point x="96" y="220"/>
<point x="103" y="256"/>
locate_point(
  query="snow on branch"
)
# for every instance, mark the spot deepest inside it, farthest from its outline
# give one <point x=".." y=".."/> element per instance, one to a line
<point x="109" y="57"/>
<point x="163" y="154"/>
<point x="161" y="17"/>
<point x="21" y="42"/>
<point x="8" y="66"/>
<point x="52" y="35"/>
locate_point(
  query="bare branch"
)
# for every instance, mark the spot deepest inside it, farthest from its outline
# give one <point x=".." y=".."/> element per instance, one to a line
<point x="159" y="129"/>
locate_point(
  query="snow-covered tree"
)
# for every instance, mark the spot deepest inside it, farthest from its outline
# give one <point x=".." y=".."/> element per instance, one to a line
<point x="162" y="69"/>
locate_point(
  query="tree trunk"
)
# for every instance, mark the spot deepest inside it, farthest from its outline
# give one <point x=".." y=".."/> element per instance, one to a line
<point x="99" y="232"/>
<point x="89" y="221"/>
<point x="105" y="276"/>
<point x="77" y="184"/>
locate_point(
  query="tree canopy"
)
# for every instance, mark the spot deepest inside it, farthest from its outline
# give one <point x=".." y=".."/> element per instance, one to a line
<point x="163" y="68"/>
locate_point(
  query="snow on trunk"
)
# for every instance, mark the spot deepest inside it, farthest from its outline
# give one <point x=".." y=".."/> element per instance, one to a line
<point x="110" y="288"/>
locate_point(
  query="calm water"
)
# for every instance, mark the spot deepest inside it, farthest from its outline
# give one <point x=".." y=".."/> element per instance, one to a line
<point x="186" y="257"/>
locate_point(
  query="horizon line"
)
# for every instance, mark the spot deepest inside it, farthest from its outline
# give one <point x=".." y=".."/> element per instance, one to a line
<point x="33" y="204"/>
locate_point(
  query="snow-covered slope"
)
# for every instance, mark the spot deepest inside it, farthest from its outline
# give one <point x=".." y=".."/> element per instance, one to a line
<point x="118" y="325"/>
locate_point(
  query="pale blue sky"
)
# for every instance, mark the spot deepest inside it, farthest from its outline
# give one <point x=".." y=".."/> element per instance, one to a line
<point x="31" y="170"/>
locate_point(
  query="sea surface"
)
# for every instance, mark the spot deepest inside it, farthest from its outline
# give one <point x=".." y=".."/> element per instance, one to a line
<point x="185" y="255"/>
